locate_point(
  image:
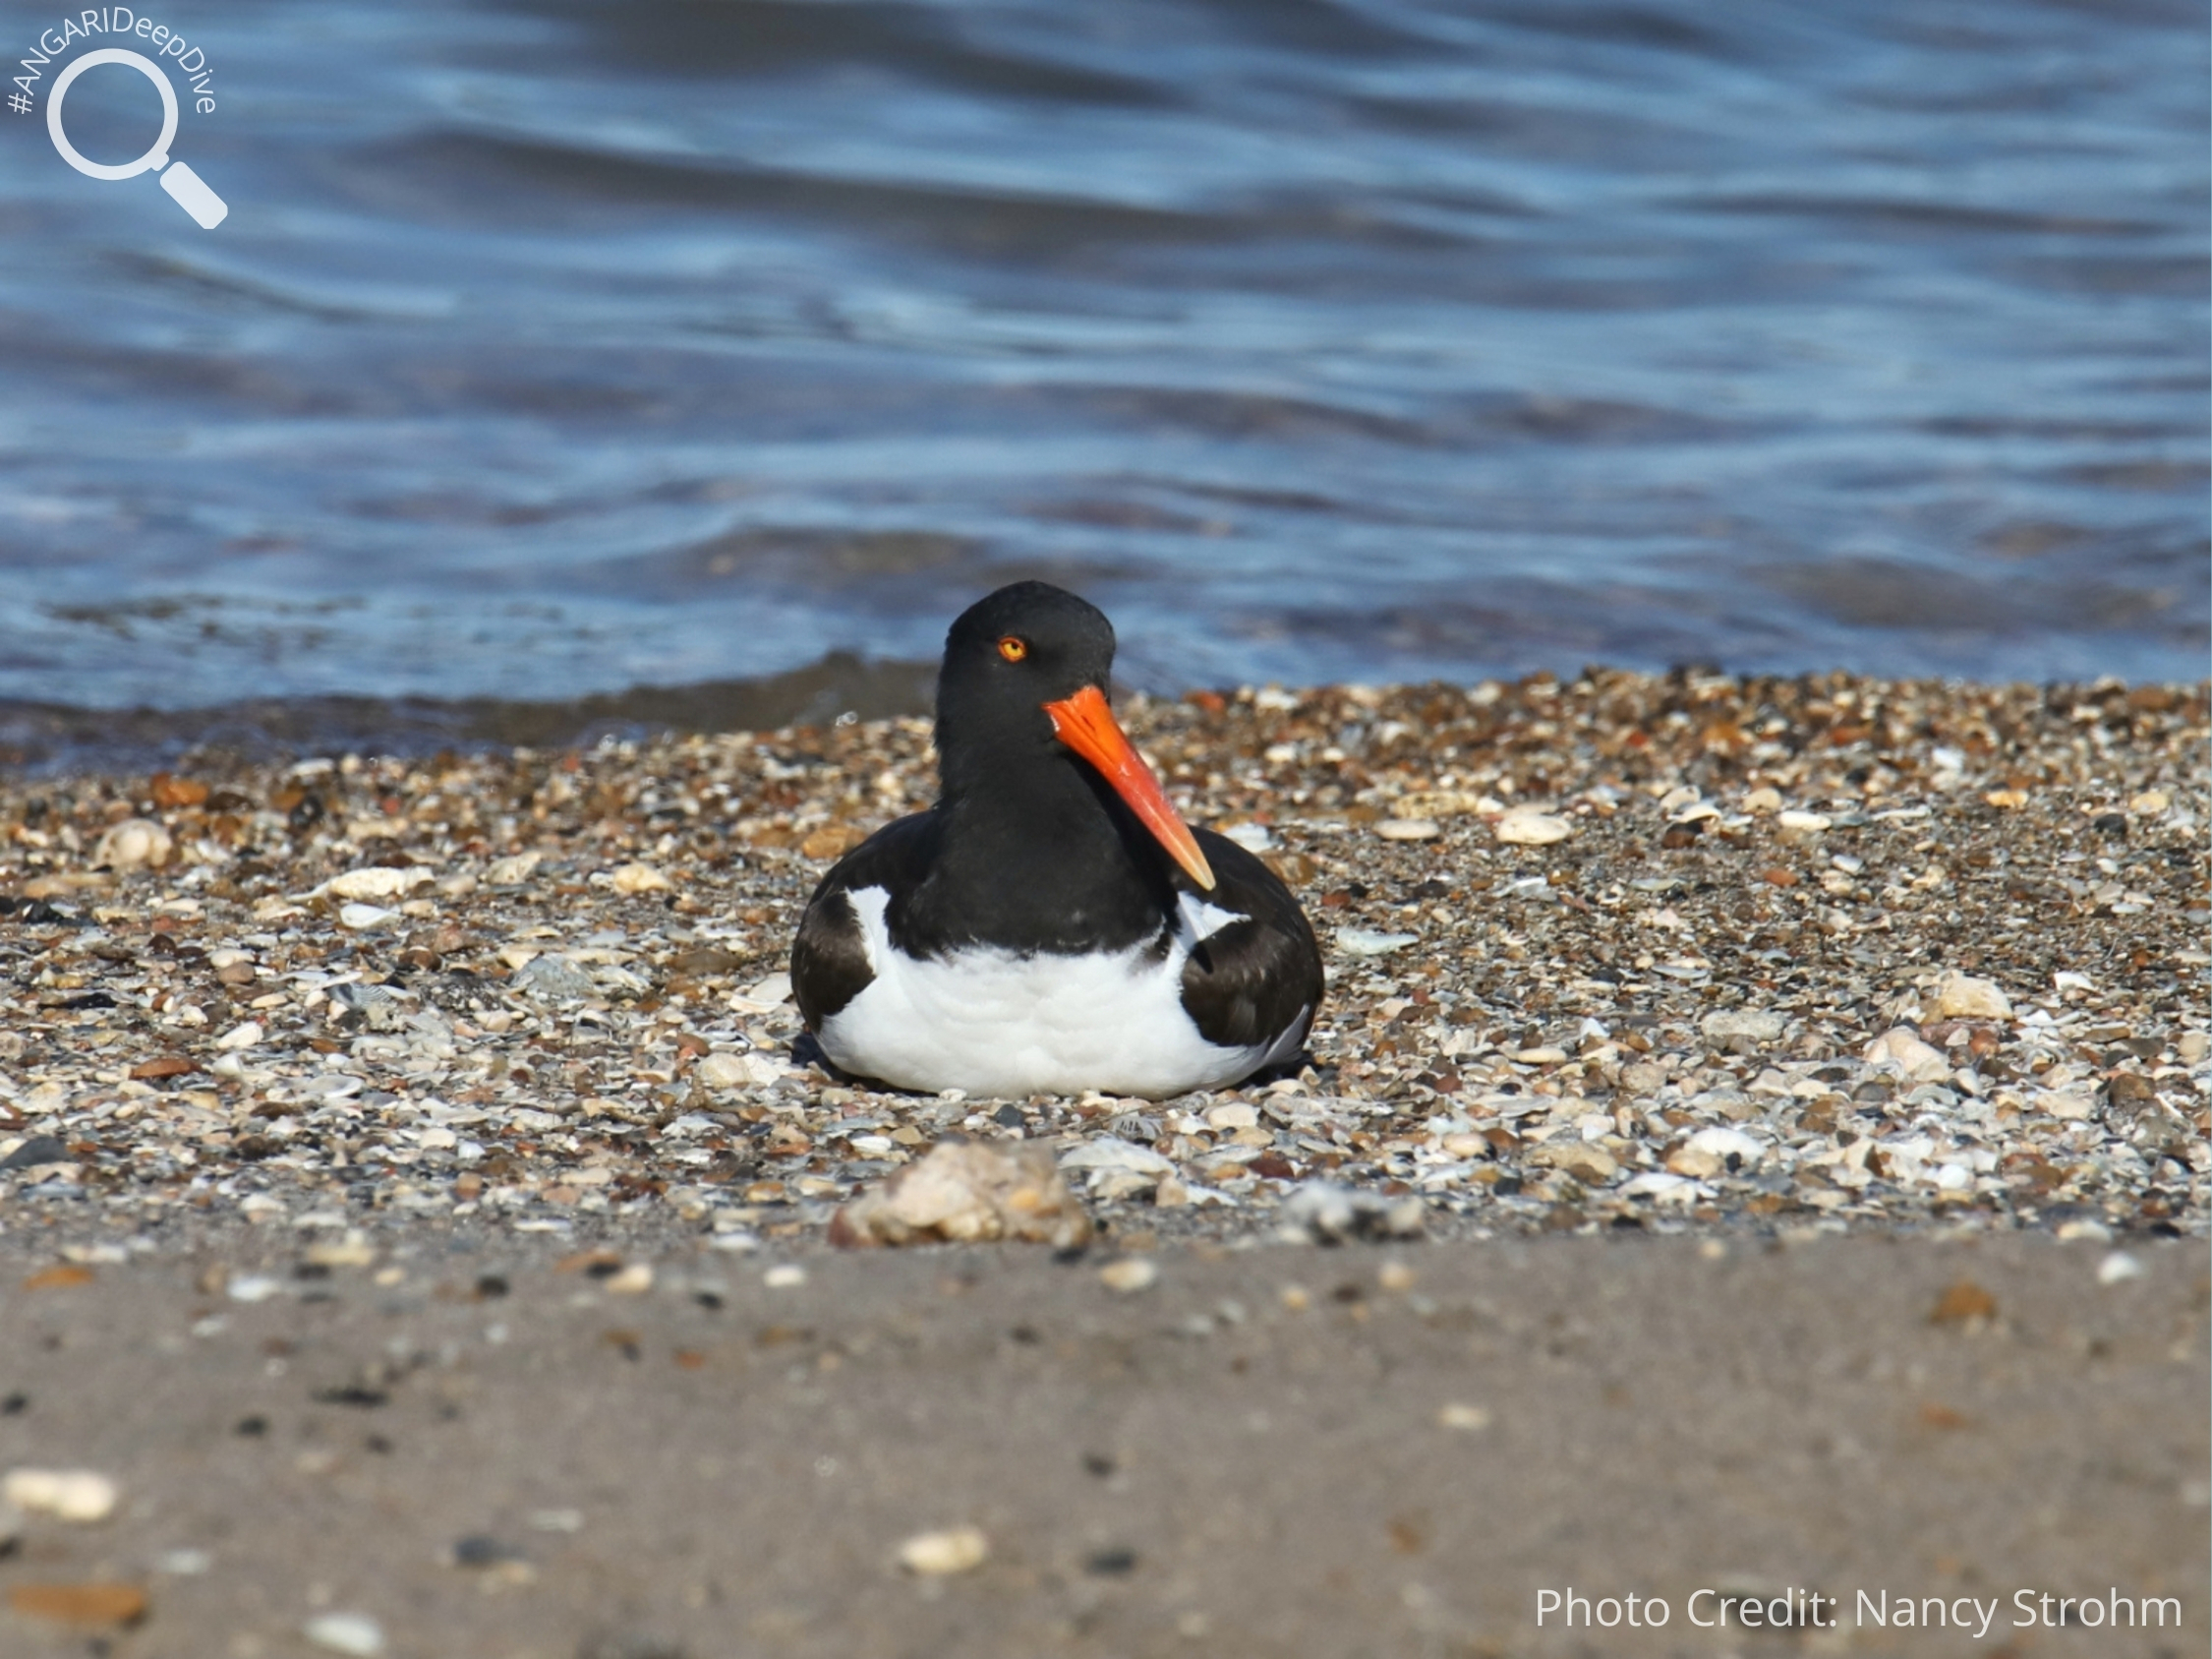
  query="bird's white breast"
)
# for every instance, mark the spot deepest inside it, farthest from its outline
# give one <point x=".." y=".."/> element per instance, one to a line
<point x="996" y="1022"/>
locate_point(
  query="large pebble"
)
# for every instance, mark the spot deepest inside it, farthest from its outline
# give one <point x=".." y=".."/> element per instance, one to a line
<point x="723" y="1071"/>
<point x="37" y="1151"/>
<point x="1716" y="1152"/>
<point x="1445" y="803"/>
<point x="1409" y="829"/>
<point x="1961" y="996"/>
<point x="770" y="993"/>
<point x="968" y="1192"/>
<point x="1525" y="826"/>
<point x="1586" y="1161"/>
<point x="1759" y="1028"/>
<point x="554" y="979"/>
<point x="1324" y="1213"/>
<point x="134" y="844"/>
<point x="1921" y="1061"/>
<point x="377" y="882"/>
<point x="1111" y="1151"/>
<point x="73" y="1494"/>
<point x="1362" y="941"/>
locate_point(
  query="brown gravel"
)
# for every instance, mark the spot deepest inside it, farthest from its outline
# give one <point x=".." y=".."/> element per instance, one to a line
<point x="540" y="990"/>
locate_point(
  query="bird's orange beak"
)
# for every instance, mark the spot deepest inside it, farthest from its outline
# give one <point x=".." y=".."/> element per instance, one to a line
<point x="1086" y="725"/>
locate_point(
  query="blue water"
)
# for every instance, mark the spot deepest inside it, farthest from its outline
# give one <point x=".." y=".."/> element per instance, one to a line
<point x="558" y="348"/>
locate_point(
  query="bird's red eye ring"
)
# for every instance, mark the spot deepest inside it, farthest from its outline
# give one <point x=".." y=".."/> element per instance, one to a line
<point x="1013" y="650"/>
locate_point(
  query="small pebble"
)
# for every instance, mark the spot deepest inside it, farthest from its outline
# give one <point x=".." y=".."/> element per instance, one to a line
<point x="1130" y="1274"/>
<point x="1525" y="826"/>
<point x="1715" y="1151"/>
<point x="2117" y="1266"/>
<point x="1362" y="941"/>
<point x="78" y="1496"/>
<point x="784" y="1276"/>
<point x="513" y="869"/>
<point x="632" y="879"/>
<point x="377" y="882"/>
<point x="935" y="1555"/>
<point x="1409" y="829"/>
<point x="134" y="844"/>
<point x="87" y="1606"/>
<point x="1906" y="1050"/>
<point x="1468" y="1419"/>
<point x="1754" y="1025"/>
<point x="723" y="1072"/>
<point x="1961" y="996"/>
<point x="353" y="1633"/>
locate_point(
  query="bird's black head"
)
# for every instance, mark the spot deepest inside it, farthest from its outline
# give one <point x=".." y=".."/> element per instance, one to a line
<point x="1023" y="717"/>
<point x="1009" y="655"/>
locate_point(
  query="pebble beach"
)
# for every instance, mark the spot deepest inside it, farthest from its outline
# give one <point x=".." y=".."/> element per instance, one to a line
<point x="1691" y="952"/>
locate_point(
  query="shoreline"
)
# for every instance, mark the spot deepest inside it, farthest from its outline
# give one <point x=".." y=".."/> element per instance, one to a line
<point x="539" y="990"/>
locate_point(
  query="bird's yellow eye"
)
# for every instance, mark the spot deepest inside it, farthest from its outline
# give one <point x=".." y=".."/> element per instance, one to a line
<point x="1013" y="650"/>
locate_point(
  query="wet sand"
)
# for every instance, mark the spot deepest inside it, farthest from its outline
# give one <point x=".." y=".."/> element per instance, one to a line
<point x="1282" y="1450"/>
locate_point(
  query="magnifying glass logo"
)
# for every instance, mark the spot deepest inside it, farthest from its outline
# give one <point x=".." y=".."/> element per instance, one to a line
<point x="180" y="181"/>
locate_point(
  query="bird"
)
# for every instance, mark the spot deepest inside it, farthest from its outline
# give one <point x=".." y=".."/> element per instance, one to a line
<point x="1051" y="926"/>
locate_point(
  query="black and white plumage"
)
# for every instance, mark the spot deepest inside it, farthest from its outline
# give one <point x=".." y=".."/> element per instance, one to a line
<point x="1051" y="926"/>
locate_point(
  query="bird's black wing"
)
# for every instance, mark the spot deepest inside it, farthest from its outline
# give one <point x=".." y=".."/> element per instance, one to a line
<point x="829" y="961"/>
<point x="1250" y="981"/>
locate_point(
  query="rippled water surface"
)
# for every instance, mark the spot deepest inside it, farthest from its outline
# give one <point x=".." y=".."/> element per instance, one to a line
<point x="554" y="349"/>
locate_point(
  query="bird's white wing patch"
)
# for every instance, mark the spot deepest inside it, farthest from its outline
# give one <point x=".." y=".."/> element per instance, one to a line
<point x="869" y="905"/>
<point x="998" y="1024"/>
<point x="1201" y="920"/>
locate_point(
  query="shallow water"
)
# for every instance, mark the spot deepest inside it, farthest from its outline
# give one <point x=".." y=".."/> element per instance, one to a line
<point x="553" y="349"/>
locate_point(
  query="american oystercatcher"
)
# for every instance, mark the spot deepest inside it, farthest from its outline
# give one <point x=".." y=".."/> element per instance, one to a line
<point x="1051" y="925"/>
